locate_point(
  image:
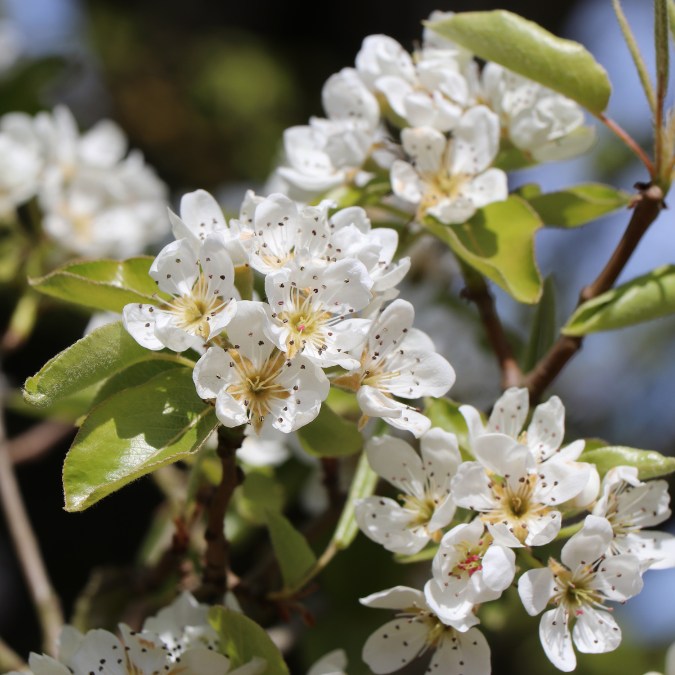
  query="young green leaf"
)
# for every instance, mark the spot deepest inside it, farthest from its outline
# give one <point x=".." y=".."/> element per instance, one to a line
<point x="526" y="48"/>
<point x="363" y="485"/>
<point x="133" y="433"/>
<point x="103" y="284"/>
<point x="330" y="435"/>
<point x="103" y="353"/>
<point x="498" y="242"/>
<point x="650" y="464"/>
<point x="645" y="298"/>
<point x="242" y="640"/>
<point x="579" y="204"/>
<point x="543" y="331"/>
<point x="258" y="495"/>
<point x="291" y="549"/>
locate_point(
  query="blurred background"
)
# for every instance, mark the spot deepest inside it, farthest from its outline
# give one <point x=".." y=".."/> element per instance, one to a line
<point x="205" y="89"/>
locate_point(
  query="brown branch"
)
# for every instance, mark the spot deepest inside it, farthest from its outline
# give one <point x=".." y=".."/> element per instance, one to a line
<point x="648" y="204"/>
<point x="217" y="556"/>
<point x="477" y="291"/>
<point x="38" y="440"/>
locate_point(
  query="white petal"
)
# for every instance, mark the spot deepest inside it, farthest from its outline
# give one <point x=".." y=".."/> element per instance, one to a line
<point x="398" y="463"/>
<point x="487" y="187"/>
<point x="462" y="654"/>
<point x="398" y="597"/>
<point x="212" y="372"/>
<point x="344" y="96"/>
<point x="472" y="488"/>
<point x="201" y="213"/>
<point x="247" y="331"/>
<point x="475" y="141"/>
<point x="333" y="663"/>
<point x="425" y="146"/>
<point x="205" y="662"/>
<point x="559" y="482"/>
<point x="175" y="268"/>
<point x="96" y="645"/>
<point x="139" y="320"/>
<point x="535" y="588"/>
<point x="394" y="645"/>
<point x="229" y="411"/>
<point x="41" y="664"/>
<point x="499" y="567"/>
<point x="595" y="632"/>
<point x="589" y="544"/>
<point x="543" y="529"/>
<point x="510" y="412"/>
<point x="419" y="373"/>
<point x="547" y="428"/>
<point x="556" y="640"/>
<point x="618" y="577"/>
<point x="406" y="182"/>
<point x="171" y="335"/>
<point x="441" y="458"/>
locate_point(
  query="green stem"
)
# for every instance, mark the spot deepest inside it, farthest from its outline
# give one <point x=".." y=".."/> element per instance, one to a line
<point x="22" y="321"/>
<point x="525" y="556"/>
<point x="567" y="532"/>
<point x="9" y="659"/>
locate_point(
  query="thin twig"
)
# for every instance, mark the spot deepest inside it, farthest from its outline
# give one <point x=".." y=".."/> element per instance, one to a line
<point x="648" y="205"/>
<point x="217" y="556"/>
<point x="38" y="440"/>
<point x="629" y="141"/>
<point x="9" y="659"/>
<point x="44" y="598"/>
<point x="477" y="291"/>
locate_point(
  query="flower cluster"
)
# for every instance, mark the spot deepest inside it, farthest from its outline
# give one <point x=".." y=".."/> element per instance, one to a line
<point x="326" y="278"/>
<point x="431" y="124"/>
<point x="96" y="199"/>
<point x="513" y="496"/>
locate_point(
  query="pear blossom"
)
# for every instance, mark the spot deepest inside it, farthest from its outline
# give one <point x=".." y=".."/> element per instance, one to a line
<point x="333" y="663"/>
<point x="425" y="486"/>
<point x="255" y="383"/>
<point x="537" y="120"/>
<point x="459" y="648"/>
<point x="543" y="436"/>
<point x="631" y="505"/>
<point x="202" y="291"/>
<point x="469" y="568"/>
<point x="311" y="308"/>
<point x="178" y="640"/>
<point x="579" y="589"/>
<point x="518" y="500"/>
<point x="451" y="179"/>
<point x="397" y="360"/>
<point x="21" y="162"/>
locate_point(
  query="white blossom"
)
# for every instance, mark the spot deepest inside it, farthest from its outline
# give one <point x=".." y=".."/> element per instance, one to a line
<point x="397" y="360"/>
<point x="469" y="568"/>
<point x="203" y="296"/>
<point x="253" y="382"/>
<point x="579" y="589"/>
<point x="451" y="179"/>
<point x="333" y="663"/>
<point x="631" y="505"/>
<point x="537" y="120"/>
<point x="459" y="648"/>
<point x="425" y="486"/>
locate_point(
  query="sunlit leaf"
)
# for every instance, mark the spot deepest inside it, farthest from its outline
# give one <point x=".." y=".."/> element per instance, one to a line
<point x="650" y="464"/>
<point x="242" y="640"/>
<point x="526" y="48"/>
<point x="498" y="242"/>
<point x="293" y="553"/>
<point x="258" y="495"/>
<point x="133" y="433"/>
<point x="543" y="331"/>
<point x="107" y="285"/>
<point x="645" y="298"/>
<point x="330" y="435"/>
<point x="579" y="204"/>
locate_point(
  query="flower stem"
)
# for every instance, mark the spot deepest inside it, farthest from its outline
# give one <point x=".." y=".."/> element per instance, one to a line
<point x="528" y="560"/>
<point x="44" y="598"/>
<point x="629" y="141"/>
<point x="567" y="532"/>
<point x="9" y="659"/>
<point x="217" y="556"/>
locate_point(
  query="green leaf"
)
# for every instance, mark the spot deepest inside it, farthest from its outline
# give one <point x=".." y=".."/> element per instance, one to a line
<point x="329" y="435"/>
<point x="104" y="352"/>
<point x="133" y="433"/>
<point x="498" y="242"/>
<point x="526" y="48"/>
<point x="644" y="298"/>
<point x="363" y="485"/>
<point x="291" y="549"/>
<point x="578" y="205"/>
<point x="104" y="284"/>
<point x="258" y="495"/>
<point x="444" y="413"/>
<point x="242" y="639"/>
<point x="650" y="464"/>
<point x="543" y="331"/>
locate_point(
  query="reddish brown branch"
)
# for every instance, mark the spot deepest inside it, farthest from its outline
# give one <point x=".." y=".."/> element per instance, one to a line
<point x="217" y="556"/>
<point x="476" y="290"/>
<point x="647" y="206"/>
<point x="38" y="440"/>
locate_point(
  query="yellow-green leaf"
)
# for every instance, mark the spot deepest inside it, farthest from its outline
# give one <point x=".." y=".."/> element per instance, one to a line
<point x="330" y="435"/>
<point x="102" y="284"/>
<point x="498" y="242"/>
<point x="650" y="464"/>
<point x="579" y="204"/>
<point x="133" y="433"/>
<point x="293" y="553"/>
<point x="444" y="413"/>
<point x="645" y="298"/>
<point x="528" y="49"/>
